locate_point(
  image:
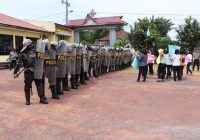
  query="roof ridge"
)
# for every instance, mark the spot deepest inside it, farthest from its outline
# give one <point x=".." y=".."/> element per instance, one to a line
<point x="19" y="20"/>
<point x="96" y="18"/>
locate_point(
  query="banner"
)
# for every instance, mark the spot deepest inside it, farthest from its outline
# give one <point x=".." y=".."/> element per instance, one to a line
<point x="172" y="49"/>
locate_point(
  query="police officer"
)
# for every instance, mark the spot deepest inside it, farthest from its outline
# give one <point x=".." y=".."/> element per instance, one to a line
<point x="78" y="63"/>
<point x="61" y="65"/>
<point x="28" y="57"/>
<point x="50" y="66"/>
<point x="73" y="67"/>
<point x="65" y="80"/>
<point x="84" y="65"/>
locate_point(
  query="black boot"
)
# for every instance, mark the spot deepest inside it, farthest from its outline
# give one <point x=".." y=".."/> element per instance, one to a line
<point x="27" y="95"/>
<point x="73" y="82"/>
<point x="43" y="99"/>
<point x="95" y="73"/>
<point x="86" y="77"/>
<point x="65" y="84"/>
<point x="82" y="79"/>
<point x="58" y="85"/>
<point x="76" y="80"/>
<point x="54" y="92"/>
<point x="99" y="71"/>
<point x="106" y="69"/>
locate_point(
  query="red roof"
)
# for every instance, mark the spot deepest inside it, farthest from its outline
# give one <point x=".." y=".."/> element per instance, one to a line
<point x="8" y="21"/>
<point x="120" y="35"/>
<point x="116" y="20"/>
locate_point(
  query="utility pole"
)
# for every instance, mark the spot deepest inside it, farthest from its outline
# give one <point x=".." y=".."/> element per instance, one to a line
<point x="67" y="9"/>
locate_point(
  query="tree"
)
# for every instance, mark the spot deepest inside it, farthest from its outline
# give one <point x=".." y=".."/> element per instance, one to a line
<point x="189" y="33"/>
<point x="121" y="43"/>
<point x="89" y="36"/>
<point x="158" y="27"/>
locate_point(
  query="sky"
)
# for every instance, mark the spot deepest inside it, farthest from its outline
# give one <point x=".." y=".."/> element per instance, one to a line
<point x="131" y="10"/>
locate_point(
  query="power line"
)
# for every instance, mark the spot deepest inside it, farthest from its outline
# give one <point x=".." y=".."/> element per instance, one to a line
<point x="150" y="14"/>
<point x="50" y="15"/>
<point x="139" y="14"/>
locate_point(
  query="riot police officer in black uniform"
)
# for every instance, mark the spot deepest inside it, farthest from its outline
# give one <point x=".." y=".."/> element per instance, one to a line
<point x="50" y="66"/>
<point x="27" y="56"/>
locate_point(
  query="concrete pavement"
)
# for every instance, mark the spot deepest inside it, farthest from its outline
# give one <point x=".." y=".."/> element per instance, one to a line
<point x="112" y="107"/>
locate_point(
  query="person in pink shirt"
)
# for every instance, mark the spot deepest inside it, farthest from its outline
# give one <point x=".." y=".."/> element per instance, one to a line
<point x="188" y="62"/>
<point x="150" y="62"/>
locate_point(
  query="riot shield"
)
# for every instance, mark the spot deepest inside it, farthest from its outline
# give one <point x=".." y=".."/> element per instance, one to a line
<point x="50" y="65"/>
<point x="61" y="59"/>
<point x="68" y="58"/>
<point x="78" y="59"/>
<point x="39" y="60"/>
<point x="73" y="59"/>
<point x="85" y="59"/>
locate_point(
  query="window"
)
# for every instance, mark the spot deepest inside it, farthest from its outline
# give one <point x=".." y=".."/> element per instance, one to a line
<point x="34" y="40"/>
<point x="61" y="37"/>
<point x="6" y="44"/>
<point x="18" y="43"/>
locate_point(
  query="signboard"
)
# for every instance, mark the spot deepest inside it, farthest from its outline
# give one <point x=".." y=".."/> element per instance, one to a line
<point x="172" y="49"/>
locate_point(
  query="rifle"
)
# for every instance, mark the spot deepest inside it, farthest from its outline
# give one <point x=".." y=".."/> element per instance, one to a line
<point x="17" y="75"/>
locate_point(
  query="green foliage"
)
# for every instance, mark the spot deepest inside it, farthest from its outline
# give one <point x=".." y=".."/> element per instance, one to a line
<point x="189" y="33"/>
<point x="163" y="42"/>
<point x="121" y="43"/>
<point x="158" y="27"/>
<point x="89" y="36"/>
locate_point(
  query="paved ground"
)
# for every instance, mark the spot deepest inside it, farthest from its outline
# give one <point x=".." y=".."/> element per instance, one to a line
<point x="112" y="107"/>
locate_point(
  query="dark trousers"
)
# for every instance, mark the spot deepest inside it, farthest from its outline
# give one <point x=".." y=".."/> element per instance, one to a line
<point x="176" y="72"/>
<point x="181" y="71"/>
<point x="12" y="64"/>
<point x="142" y="72"/>
<point x="169" y="68"/>
<point x="151" y="68"/>
<point x="28" y="80"/>
<point x="161" y="71"/>
<point x="196" y="63"/>
<point x="188" y="67"/>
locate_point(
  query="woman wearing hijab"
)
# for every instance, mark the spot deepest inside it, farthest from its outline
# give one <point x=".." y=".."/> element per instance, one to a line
<point x="142" y="59"/>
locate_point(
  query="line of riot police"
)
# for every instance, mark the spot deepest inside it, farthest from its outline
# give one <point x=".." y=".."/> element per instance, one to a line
<point x="62" y="62"/>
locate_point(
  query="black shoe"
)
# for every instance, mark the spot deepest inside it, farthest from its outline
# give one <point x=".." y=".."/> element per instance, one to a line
<point x="74" y="87"/>
<point x="58" y="86"/>
<point x="56" y="97"/>
<point x="66" y="89"/>
<point x="42" y="101"/>
<point x="84" y="83"/>
<point x="60" y="92"/>
<point x="65" y="84"/>
<point x="28" y="103"/>
<point x="73" y="82"/>
<point x="54" y="92"/>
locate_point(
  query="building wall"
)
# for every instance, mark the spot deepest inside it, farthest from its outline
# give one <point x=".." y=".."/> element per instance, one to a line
<point x="69" y="32"/>
<point x="51" y="26"/>
<point x="48" y="25"/>
<point x="16" y="32"/>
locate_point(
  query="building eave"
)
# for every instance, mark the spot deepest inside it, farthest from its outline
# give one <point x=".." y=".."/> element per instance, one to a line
<point x="24" y="29"/>
<point x="63" y="26"/>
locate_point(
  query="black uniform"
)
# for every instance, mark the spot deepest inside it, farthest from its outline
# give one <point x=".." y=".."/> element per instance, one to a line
<point x="27" y="57"/>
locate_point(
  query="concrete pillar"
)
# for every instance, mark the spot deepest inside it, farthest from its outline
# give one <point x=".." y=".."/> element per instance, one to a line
<point x="14" y="42"/>
<point x="76" y="37"/>
<point x="113" y="36"/>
